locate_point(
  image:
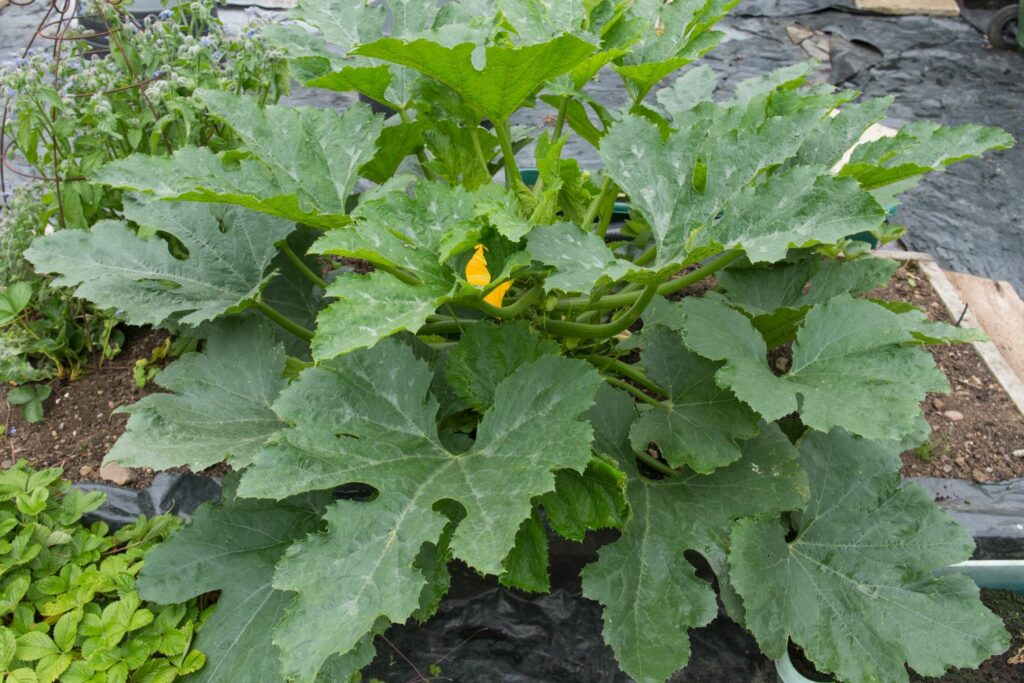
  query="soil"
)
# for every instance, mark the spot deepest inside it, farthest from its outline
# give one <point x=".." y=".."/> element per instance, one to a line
<point x="79" y="426"/>
<point x="1007" y="667"/>
<point x="976" y="429"/>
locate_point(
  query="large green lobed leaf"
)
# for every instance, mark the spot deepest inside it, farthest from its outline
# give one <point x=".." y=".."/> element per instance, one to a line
<point x="649" y="591"/>
<point x="369" y="417"/>
<point x="228" y="250"/>
<point x="856" y="587"/>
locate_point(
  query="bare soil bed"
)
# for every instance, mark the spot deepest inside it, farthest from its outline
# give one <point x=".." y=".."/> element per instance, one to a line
<point x="978" y="432"/>
<point x="80" y="426"/>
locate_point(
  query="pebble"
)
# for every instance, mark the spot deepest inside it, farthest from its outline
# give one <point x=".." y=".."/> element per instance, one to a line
<point x="979" y="476"/>
<point x="1019" y="453"/>
<point x="938" y="404"/>
<point x="959" y="460"/>
<point x="116" y="474"/>
<point x="782" y="363"/>
<point x="953" y="415"/>
<point x="947" y="468"/>
<point x="84" y="471"/>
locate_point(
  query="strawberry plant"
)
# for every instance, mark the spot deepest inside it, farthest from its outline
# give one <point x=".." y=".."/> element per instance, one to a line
<point x="483" y="373"/>
<point x="68" y="601"/>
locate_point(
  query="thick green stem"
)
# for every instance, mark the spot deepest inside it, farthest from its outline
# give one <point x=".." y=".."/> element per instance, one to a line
<point x="595" y="203"/>
<point x="451" y="326"/>
<point x="421" y="156"/>
<point x="505" y="140"/>
<point x="626" y="370"/>
<point x="656" y="465"/>
<point x="626" y="386"/>
<point x="626" y="298"/>
<point x="301" y="266"/>
<point x="514" y="309"/>
<point x="474" y="135"/>
<point x="646" y="257"/>
<point x="293" y="327"/>
<point x="609" y="329"/>
<point x="407" y="278"/>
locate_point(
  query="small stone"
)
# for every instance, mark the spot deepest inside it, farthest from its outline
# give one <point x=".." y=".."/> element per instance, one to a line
<point x="798" y="33"/>
<point x="953" y="415"/>
<point x="782" y="363"/>
<point x="111" y="404"/>
<point x="1019" y="453"/>
<point x="979" y="476"/>
<point x="959" y="460"/>
<point x="84" y="471"/>
<point x="116" y="474"/>
<point x="6" y="464"/>
<point x="814" y="52"/>
<point x="989" y="470"/>
<point x="947" y="468"/>
<point x="938" y="403"/>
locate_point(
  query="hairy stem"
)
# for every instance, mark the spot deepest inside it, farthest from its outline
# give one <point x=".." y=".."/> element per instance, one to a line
<point x="474" y="135"/>
<point x="407" y="278"/>
<point x="421" y="156"/>
<point x="609" y="329"/>
<point x="656" y="465"/>
<point x="595" y="203"/>
<point x="504" y="134"/>
<point x="626" y="370"/>
<point x="301" y="265"/>
<point x="626" y="386"/>
<point x="293" y="327"/>
<point x="512" y="310"/>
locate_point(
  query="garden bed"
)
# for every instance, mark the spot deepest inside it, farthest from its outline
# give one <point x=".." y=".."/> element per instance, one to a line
<point x="80" y="426"/>
<point x="978" y="431"/>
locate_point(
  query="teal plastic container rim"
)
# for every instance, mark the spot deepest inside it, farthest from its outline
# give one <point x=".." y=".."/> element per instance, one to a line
<point x="1004" y="574"/>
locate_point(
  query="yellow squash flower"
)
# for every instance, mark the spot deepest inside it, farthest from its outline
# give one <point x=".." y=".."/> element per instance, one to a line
<point x="478" y="276"/>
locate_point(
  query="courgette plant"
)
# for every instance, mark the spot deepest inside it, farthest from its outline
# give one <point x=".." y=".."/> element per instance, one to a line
<point x="486" y="380"/>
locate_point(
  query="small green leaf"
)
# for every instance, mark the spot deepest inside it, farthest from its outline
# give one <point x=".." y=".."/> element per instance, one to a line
<point x="34" y="645"/>
<point x="487" y="354"/>
<point x="700" y="424"/>
<point x="51" y="667"/>
<point x="13" y="300"/>
<point x="582" y="502"/>
<point x="8" y="646"/>
<point x="526" y="566"/>
<point x="66" y="630"/>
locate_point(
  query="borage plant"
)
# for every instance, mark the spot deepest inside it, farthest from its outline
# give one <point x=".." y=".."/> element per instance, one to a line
<point x="481" y="380"/>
